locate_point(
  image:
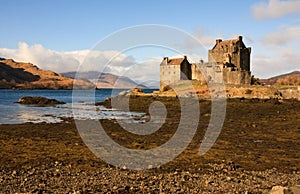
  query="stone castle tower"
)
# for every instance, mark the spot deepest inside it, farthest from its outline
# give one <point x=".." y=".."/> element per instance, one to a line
<point x="231" y="53"/>
<point x="173" y="70"/>
<point x="228" y="62"/>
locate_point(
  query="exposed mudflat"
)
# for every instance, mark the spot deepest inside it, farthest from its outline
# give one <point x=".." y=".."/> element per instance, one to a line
<point x="257" y="149"/>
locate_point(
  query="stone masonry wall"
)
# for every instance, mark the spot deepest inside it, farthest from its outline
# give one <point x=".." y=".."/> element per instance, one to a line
<point x="206" y="73"/>
<point x="169" y="73"/>
<point x="236" y="77"/>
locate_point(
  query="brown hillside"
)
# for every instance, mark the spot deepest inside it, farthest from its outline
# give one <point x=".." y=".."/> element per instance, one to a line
<point x="108" y="80"/>
<point x="28" y="76"/>
<point x="292" y="79"/>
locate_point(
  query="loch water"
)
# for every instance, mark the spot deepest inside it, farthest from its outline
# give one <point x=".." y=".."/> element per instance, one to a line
<point x="81" y="101"/>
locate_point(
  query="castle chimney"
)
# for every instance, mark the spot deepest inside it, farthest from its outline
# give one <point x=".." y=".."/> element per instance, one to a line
<point x="240" y="38"/>
<point x="218" y="41"/>
<point x="166" y="59"/>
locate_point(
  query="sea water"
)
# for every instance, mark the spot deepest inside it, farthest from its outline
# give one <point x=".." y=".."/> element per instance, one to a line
<point x="80" y="101"/>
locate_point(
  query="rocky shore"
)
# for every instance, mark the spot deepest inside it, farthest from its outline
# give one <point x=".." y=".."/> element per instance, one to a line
<point x="256" y="150"/>
<point x="58" y="177"/>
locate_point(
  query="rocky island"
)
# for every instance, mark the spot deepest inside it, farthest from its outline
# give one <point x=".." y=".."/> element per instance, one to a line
<point x="38" y="100"/>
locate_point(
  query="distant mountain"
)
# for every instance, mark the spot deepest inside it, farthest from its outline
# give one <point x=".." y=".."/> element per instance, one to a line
<point x="153" y="84"/>
<point x="292" y="78"/>
<point x="85" y="75"/>
<point x="105" y="80"/>
<point x="19" y="75"/>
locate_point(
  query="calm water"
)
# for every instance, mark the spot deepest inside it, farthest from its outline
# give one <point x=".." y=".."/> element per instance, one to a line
<point x="11" y="112"/>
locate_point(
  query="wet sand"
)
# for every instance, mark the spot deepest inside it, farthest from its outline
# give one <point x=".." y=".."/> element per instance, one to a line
<point x="257" y="149"/>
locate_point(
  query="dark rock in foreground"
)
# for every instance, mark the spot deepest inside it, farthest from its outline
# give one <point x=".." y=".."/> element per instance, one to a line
<point x="38" y="100"/>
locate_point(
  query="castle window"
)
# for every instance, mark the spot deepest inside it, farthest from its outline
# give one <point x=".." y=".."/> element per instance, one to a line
<point x="218" y="69"/>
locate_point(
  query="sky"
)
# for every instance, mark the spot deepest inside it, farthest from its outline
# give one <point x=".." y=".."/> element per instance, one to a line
<point x="68" y="35"/>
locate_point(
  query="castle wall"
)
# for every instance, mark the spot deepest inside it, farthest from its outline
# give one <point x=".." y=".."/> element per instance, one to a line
<point x="236" y="77"/>
<point x="186" y="72"/>
<point x="228" y="62"/>
<point x="212" y="74"/>
<point x="196" y="72"/>
<point x="245" y="59"/>
<point x="169" y="74"/>
<point x="231" y="52"/>
<point x="207" y="73"/>
<point x="221" y="57"/>
<point x="172" y="73"/>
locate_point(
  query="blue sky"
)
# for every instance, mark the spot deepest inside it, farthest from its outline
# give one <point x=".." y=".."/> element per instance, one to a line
<point x="58" y="34"/>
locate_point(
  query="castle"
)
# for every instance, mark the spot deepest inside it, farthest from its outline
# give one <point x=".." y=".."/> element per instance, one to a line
<point x="228" y="62"/>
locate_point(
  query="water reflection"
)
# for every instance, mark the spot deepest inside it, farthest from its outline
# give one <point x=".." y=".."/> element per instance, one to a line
<point x="54" y="114"/>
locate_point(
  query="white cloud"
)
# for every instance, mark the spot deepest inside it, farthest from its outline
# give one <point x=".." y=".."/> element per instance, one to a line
<point x="88" y="60"/>
<point x="283" y="36"/>
<point x="106" y="61"/>
<point x="276" y="61"/>
<point x="62" y="61"/>
<point x="146" y="70"/>
<point x="204" y="40"/>
<point x="277" y="52"/>
<point x="275" y="9"/>
<point x="42" y="57"/>
<point x="268" y="66"/>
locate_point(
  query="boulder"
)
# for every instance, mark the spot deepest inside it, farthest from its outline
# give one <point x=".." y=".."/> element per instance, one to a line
<point x="285" y="190"/>
<point x="134" y="91"/>
<point x="137" y="90"/>
<point x="38" y="100"/>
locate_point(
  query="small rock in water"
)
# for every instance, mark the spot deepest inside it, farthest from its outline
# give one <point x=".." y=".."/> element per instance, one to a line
<point x="38" y="100"/>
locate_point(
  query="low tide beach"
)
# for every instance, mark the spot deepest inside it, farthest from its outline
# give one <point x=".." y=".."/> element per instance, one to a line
<point x="258" y="148"/>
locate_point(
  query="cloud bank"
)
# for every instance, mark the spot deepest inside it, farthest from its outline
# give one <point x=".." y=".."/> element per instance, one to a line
<point x="275" y="9"/>
<point x="280" y="52"/>
<point x="44" y="58"/>
<point x="283" y="36"/>
<point x="279" y="55"/>
<point x="88" y="60"/>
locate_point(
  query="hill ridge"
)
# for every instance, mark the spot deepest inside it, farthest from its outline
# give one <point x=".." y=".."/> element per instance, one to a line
<point x="21" y="75"/>
<point x="105" y="80"/>
<point x="292" y="78"/>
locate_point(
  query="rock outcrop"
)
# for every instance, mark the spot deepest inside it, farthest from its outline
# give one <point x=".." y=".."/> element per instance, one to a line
<point x="285" y="190"/>
<point x="232" y="91"/>
<point x="38" y="100"/>
<point x="19" y="75"/>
